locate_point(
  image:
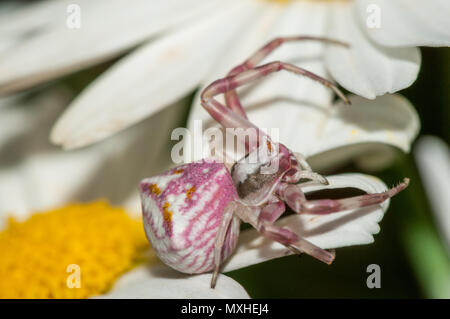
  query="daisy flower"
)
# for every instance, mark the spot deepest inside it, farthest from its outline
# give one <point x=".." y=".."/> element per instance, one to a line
<point x="174" y="46"/>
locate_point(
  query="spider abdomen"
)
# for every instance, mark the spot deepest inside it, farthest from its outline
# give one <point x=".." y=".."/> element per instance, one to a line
<point x="182" y="210"/>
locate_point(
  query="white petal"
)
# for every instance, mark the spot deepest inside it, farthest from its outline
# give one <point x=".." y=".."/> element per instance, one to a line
<point x="8" y="9"/>
<point x="294" y="105"/>
<point x="347" y="228"/>
<point x="18" y="18"/>
<point x="366" y="68"/>
<point x="56" y="49"/>
<point x="247" y="41"/>
<point x="366" y="127"/>
<point x="408" y="22"/>
<point x="149" y="79"/>
<point x="433" y="160"/>
<point x="162" y="282"/>
<point x="36" y="175"/>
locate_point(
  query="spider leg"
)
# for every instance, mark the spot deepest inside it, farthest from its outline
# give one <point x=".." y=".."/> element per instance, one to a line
<point x="262" y="220"/>
<point x="231" y="97"/>
<point x="292" y="241"/>
<point x="301" y="159"/>
<point x="295" y="199"/>
<point x="272" y="211"/>
<point x="301" y="174"/>
<point x="230" y="119"/>
<point x="222" y="114"/>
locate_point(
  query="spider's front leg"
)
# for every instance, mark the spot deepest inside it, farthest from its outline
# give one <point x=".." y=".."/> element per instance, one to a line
<point x="230" y="119"/>
<point x="231" y="97"/>
<point x="293" y="196"/>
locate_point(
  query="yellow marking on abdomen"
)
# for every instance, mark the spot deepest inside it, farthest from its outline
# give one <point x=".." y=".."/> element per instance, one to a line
<point x="190" y="192"/>
<point x="154" y="189"/>
<point x="167" y="214"/>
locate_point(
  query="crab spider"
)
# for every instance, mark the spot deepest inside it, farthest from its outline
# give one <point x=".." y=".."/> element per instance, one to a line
<point x="192" y="213"/>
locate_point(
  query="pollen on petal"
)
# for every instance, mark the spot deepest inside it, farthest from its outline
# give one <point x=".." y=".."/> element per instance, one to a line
<point x="88" y="245"/>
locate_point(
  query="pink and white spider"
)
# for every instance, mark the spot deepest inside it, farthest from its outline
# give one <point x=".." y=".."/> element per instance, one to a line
<point x="192" y="213"/>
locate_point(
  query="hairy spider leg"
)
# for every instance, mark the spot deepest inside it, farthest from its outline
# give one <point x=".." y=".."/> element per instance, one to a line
<point x="295" y="243"/>
<point x="294" y="197"/>
<point x="302" y="161"/>
<point x="221" y="114"/>
<point x="269" y="214"/>
<point x="231" y="97"/>
<point x="302" y="174"/>
<point x="272" y="211"/>
<point x="230" y="119"/>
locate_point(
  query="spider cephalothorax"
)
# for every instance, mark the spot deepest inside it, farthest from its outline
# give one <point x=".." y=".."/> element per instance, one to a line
<point x="192" y="213"/>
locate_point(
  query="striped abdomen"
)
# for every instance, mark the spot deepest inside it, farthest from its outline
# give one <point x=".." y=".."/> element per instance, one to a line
<point x="182" y="210"/>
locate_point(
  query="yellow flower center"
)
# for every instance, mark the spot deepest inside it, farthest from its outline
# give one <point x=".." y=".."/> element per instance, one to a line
<point x="75" y="251"/>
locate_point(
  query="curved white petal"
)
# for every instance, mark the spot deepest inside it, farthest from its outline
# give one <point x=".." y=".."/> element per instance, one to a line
<point x="292" y="104"/>
<point x="367" y="68"/>
<point x="390" y="119"/>
<point x="162" y="282"/>
<point x="369" y="127"/>
<point x="151" y="78"/>
<point x="108" y="28"/>
<point x="19" y="17"/>
<point x="10" y="32"/>
<point x="433" y="160"/>
<point x="36" y="175"/>
<point x="352" y="227"/>
<point x="246" y="42"/>
<point x="407" y="22"/>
